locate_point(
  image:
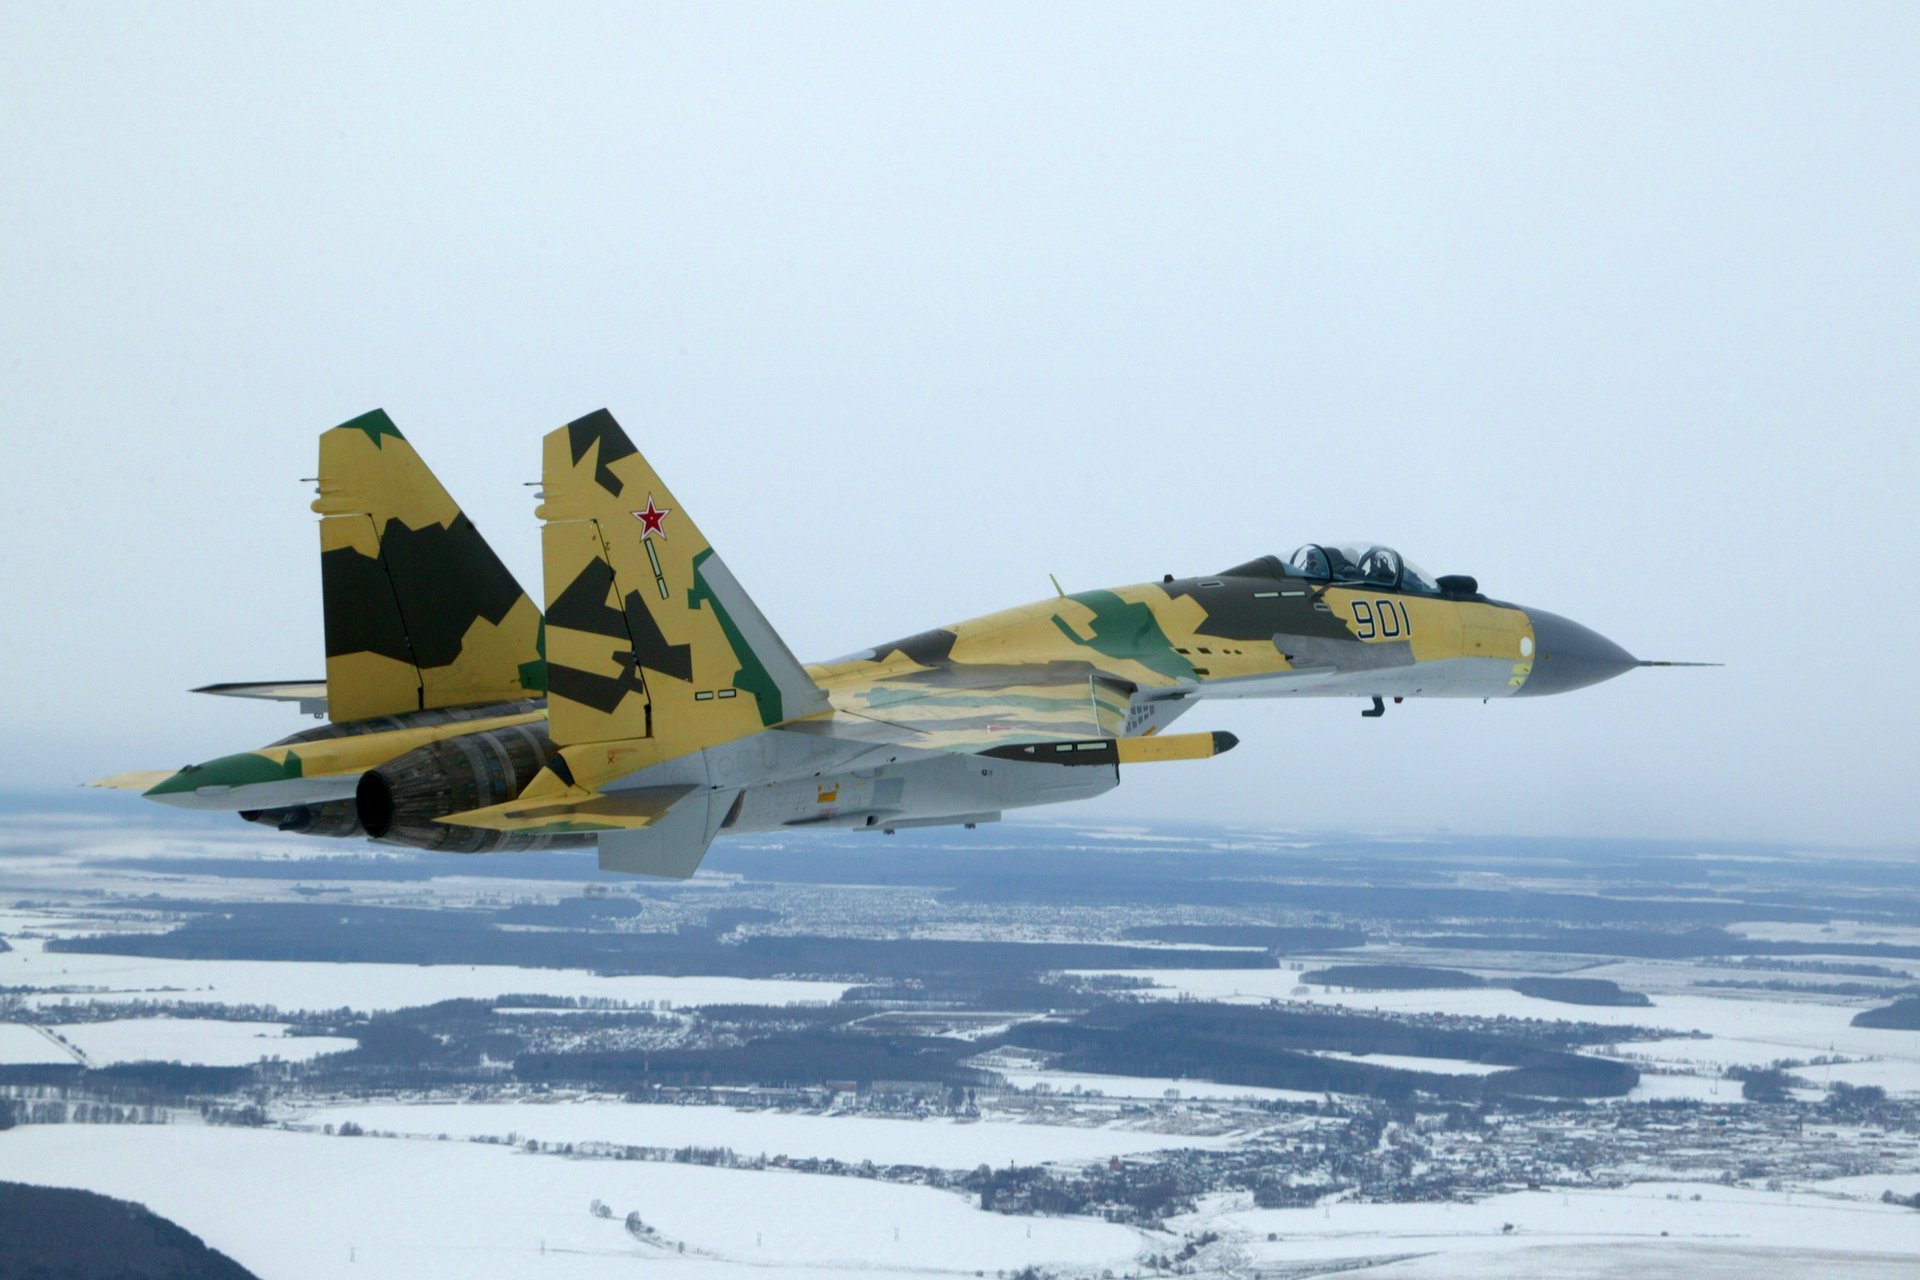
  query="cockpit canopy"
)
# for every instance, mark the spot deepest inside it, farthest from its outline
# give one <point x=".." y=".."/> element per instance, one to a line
<point x="1368" y="564"/>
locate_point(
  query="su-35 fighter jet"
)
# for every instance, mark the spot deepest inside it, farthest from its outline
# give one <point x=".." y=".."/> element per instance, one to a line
<point x="673" y="712"/>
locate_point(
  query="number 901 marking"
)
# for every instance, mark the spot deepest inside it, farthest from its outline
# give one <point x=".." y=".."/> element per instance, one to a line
<point x="1386" y="619"/>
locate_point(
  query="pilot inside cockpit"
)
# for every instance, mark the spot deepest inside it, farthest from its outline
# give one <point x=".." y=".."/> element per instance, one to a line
<point x="1361" y="563"/>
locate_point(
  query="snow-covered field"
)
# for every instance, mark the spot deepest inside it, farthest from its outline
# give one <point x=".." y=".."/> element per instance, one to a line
<point x="21" y="1045"/>
<point x="1847" y="931"/>
<point x="1590" y="1259"/>
<point x="292" y="1206"/>
<point x="1689" y="1088"/>
<point x="196" y="1041"/>
<point x="367" y="987"/>
<point x="941" y="1143"/>
<point x="1651" y="1229"/>
<point x="1403" y="1062"/>
<point x="297" y="1206"/>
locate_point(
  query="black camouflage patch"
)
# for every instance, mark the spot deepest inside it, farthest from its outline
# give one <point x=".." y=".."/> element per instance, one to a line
<point x="1235" y="612"/>
<point x="651" y="647"/>
<point x="929" y="648"/>
<point x="446" y="577"/>
<point x="599" y="427"/>
<point x="418" y="600"/>
<point x="602" y="693"/>
<point x="583" y="606"/>
<point x="359" y="611"/>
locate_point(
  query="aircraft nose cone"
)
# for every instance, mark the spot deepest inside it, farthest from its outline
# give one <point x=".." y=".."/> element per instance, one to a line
<point x="1568" y="656"/>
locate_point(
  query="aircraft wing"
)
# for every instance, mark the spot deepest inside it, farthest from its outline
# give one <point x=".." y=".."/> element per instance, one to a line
<point x="310" y="694"/>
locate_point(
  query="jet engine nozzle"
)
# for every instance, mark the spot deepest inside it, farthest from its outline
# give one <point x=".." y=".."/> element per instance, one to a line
<point x="402" y="801"/>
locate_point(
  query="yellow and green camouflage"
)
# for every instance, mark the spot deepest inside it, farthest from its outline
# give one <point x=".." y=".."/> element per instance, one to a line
<point x="428" y="637"/>
<point x="658" y="656"/>
<point x="673" y="711"/>
<point x="420" y="613"/>
<point x="654" y="651"/>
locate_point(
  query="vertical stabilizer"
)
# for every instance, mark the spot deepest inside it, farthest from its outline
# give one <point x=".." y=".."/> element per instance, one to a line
<point x="651" y="641"/>
<point x="420" y="613"/>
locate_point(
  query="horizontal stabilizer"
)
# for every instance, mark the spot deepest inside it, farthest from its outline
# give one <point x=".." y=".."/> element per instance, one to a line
<point x="310" y="694"/>
<point x="578" y="809"/>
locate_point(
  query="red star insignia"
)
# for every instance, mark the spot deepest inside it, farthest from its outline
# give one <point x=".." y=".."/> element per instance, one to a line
<point x="651" y="519"/>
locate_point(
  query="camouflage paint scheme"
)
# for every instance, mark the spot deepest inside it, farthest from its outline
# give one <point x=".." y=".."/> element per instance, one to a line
<point x="674" y="711"/>
<point x="428" y="636"/>
<point x="420" y="613"/>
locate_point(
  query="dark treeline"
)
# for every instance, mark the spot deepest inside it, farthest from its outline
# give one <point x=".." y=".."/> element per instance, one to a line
<point x="807" y="1057"/>
<point x="988" y="992"/>
<point x="341" y="933"/>
<point x="54" y="1233"/>
<point x="1411" y="977"/>
<point x="443" y="1043"/>
<point x="462" y="1040"/>
<point x="338" y="932"/>
<point x="1355" y="878"/>
<point x="1653" y="944"/>
<point x="1803" y="987"/>
<point x="1237" y="1044"/>
<point x="1279" y="938"/>
<point x="762" y="1045"/>
<point x="1901" y="1015"/>
<point x="1844" y="968"/>
<point x="134" y="1083"/>
<point x="1589" y="991"/>
<point x="1392" y="977"/>
<point x="1364" y="897"/>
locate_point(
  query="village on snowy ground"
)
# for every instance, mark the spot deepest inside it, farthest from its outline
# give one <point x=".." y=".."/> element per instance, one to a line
<point x="1034" y="1049"/>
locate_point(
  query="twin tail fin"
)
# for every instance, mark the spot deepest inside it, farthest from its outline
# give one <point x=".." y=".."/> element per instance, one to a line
<point x="420" y="612"/>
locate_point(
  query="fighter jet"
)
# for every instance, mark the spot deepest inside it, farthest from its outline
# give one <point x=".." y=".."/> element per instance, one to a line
<point x="674" y="713"/>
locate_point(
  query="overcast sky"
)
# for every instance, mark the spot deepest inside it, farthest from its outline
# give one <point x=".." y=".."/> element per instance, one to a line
<point x="1612" y="306"/>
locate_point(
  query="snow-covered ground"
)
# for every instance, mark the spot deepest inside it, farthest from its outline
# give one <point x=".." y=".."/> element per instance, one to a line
<point x="1867" y="1186"/>
<point x="941" y="1143"/>
<point x="1843" y="931"/>
<point x="1649" y="1260"/>
<point x="1690" y="1088"/>
<point x="368" y="987"/>
<point x="293" y="1206"/>
<point x="21" y="1045"/>
<point x="1635" y="1231"/>
<point x="1404" y="1062"/>
<point x="196" y="1041"/>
